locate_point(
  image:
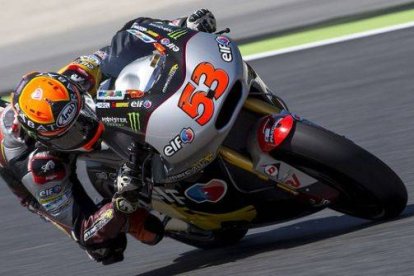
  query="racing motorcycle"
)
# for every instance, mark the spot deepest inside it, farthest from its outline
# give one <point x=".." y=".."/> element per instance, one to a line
<point x="220" y="150"/>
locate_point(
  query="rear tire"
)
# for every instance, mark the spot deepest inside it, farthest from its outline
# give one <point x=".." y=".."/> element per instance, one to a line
<point x="368" y="188"/>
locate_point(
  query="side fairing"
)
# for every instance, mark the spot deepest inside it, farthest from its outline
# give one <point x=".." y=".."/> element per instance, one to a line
<point x="188" y="128"/>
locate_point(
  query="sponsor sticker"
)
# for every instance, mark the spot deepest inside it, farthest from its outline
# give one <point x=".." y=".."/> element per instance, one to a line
<point x="135" y="94"/>
<point x="271" y="169"/>
<point x="161" y="26"/>
<point x="103" y="105"/>
<point x="171" y="74"/>
<point x="114" y="121"/>
<point x="99" y="224"/>
<point x="223" y="40"/>
<point x="138" y="104"/>
<point x="167" y="43"/>
<point x="134" y="121"/>
<point x="67" y="115"/>
<point x="212" y="192"/>
<point x="111" y="95"/>
<point x="200" y="164"/>
<point x="37" y="94"/>
<point x="138" y="27"/>
<point x="186" y="136"/>
<point x="122" y="104"/>
<point x="145" y="38"/>
<point x="178" y="33"/>
<point x="55" y="190"/>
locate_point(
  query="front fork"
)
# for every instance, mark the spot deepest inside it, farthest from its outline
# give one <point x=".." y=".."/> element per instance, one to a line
<point x="272" y="130"/>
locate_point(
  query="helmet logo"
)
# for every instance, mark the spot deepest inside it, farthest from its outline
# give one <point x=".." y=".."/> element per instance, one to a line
<point x="66" y="115"/>
<point x="37" y="94"/>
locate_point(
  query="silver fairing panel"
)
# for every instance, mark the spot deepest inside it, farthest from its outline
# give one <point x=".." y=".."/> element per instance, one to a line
<point x="169" y="120"/>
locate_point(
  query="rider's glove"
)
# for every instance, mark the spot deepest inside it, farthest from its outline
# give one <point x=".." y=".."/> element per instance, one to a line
<point x="128" y="186"/>
<point x="202" y="20"/>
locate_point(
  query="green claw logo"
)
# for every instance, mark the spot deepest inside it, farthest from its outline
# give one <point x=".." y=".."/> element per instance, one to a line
<point x="177" y="34"/>
<point x="134" y="121"/>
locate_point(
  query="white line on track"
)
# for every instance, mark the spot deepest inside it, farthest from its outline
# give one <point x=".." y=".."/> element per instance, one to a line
<point x="329" y="41"/>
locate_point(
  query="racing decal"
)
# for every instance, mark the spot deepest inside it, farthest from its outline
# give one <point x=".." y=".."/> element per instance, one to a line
<point x="135" y="94"/>
<point x="171" y="74"/>
<point x="168" y="195"/>
<point x="111" y="95"/>
<point x="186" y="136"/>
<point x="200" y="164"/>
<point x="138" y="104"/>
<point x="138" y="27"/>
<point x="114" y="121"/>
<point x="37" y="94"/>
<point x="224" y="48"/>
<point x="134" y="121"/>
<point x="293" y="181"/>
<point x="167" y="43"/>
<point x="271" y="170"/>
<point x="119" y="104"/>
<point x="45" y="168"/>
<point x="212" y="192"/>
<point x="50" y="192"/>
<point x="67" y="114"/>
<point x="178" y="33"/>
<point x="103" y="105"/>
<point x="193" y="95"/>
<point x="57" y="203"/>
<point x="153" y="34"/>
<point x="145" y="38"/>
<point x="161" y="26"/>
<point x="99" y="224"/>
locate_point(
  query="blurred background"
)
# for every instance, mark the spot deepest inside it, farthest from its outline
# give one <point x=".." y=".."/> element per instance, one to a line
<point x="362" y="89"/>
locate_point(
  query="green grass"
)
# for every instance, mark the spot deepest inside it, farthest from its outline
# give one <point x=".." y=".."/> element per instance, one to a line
<point x="329" y="32"/>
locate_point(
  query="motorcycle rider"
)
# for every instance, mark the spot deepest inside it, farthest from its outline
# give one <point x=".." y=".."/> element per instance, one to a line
<point x="50" y="121"/>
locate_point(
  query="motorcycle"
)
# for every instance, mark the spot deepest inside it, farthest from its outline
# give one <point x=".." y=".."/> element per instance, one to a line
<point x="221" y="151"/>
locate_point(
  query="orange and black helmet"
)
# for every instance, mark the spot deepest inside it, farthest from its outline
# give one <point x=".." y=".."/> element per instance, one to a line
<point x="50" y="107"/>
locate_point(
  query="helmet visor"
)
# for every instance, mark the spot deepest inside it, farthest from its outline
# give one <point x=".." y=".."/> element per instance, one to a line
<point x="82" y="135"/>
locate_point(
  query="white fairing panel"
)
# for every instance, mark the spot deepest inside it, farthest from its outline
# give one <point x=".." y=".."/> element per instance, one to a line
<point x="181" y="140"/>
<point x="140" y="74"/>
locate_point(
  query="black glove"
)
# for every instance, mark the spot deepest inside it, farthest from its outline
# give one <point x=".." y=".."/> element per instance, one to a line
<point x="111" y="252"/>
<point x="128" y="186"/>
<point x="202" y="20"/>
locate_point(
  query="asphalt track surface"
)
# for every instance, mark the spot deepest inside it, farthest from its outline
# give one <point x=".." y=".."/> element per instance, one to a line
<point x="42" y="38"/>
<point x="362" y="89"/>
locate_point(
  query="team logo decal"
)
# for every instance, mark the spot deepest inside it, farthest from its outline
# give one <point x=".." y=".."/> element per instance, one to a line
<point x="223" y="40"/>
<point x="186" y="136"/>
<point x="67" y="115"/>
<point x="271" y="169"/>
<point x="213" y="191"/>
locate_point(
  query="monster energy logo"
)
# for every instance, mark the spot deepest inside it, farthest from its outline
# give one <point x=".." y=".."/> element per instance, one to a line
<point x="177" y="33"/>
<point x="134" y="121"/>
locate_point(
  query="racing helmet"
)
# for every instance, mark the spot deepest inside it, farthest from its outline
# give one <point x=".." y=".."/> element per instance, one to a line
<point x="52" y="110"/>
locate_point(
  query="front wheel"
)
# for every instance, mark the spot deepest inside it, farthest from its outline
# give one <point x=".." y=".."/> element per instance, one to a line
<point x="368" y="188"/>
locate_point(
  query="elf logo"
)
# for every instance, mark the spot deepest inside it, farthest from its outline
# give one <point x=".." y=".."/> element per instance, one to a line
<point x="186" y="136"/>
<point x="224" y="48"/>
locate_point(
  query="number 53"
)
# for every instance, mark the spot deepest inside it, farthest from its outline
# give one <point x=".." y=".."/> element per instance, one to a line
<point x="191" y="99"/>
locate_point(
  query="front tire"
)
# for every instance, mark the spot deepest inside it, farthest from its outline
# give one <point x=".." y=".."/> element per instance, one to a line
<point x="368" y="188"/>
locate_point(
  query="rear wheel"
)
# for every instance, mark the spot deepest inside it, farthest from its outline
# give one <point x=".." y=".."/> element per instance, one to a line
<point x="368" y="188"/>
